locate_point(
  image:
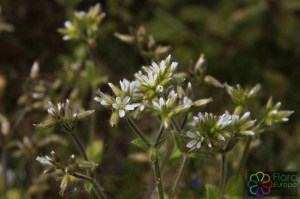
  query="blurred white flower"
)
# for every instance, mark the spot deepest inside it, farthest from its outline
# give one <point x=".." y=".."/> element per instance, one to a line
<point x="197" y="139"/>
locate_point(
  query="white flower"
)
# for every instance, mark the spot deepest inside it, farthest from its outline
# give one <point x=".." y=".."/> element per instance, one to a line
<point x="224" y="120"/>
<point x="129" y="87"/>
<point x="45" y="160"/>
<point x="160" y="104"/>
<point x="187" y="102"/>
<point x="123" y="106"/>
<point x="149" y="80"/>
<point x="197" y="139"/>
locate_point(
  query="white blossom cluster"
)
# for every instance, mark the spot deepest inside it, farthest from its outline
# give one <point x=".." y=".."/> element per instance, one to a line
<point x="211" y="129"/>
<point x="153" y="88"/>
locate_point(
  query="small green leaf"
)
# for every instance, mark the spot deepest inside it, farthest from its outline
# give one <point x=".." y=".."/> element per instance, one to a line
<point x="212" y="191"/>
<point x="94" y="151"/>
<point x="178" y="141"/>
<point x="88" y="186"/>
<point x="140" y="143"/>
<point x="161" y="141"/>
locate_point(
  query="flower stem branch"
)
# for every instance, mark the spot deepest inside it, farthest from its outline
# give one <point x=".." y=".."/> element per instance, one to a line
<point x="137" y="130"/>
<point x="223" y="175"/>
<point x="160" y="132"/>
<point x="79" y="146"/>
<point x="99" y="188"/>
<point x="179" y="175"/>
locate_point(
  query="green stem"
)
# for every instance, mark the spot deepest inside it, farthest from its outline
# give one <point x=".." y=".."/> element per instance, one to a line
<point x="158" y="179"/>
<point x="93" y="117"/>
<point x="84" y="156"/>
<point x="223" y="175"/>
<point x="179" y="175"/>
<point x="99" y="188"/>
<point x="137" y="131"/>
<point x="160" y="132"/>
<point x="79" y="146"/>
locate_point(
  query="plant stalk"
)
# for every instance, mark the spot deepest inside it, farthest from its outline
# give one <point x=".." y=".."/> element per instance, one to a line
<point x="137" y="131"/>
<point x="160" y="132"/>
<point x="179" y="175"/>
<point x="158" y="179"/>
<point x="223" y="175"/>
<point x="99" y="188"/>
<point x="96" y="189"/>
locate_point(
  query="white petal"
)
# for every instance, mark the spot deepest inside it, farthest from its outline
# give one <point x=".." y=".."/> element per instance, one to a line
<point x="118" y="100"/>
<point x="126" y="100"/>
<point x="198" y="145"/>
<point x="121" y="113"/>
<point x="191" y="144"/>
<point x="246" y="116"/>
<point x="142" y="107"/>
<point x="191" y="134"/>
<point x="161" y="101"/>
<point x="131" y="107"/>
<point x="104" y="103"/>
<point x="115" y="106"/>
<point x="156" y="105"/>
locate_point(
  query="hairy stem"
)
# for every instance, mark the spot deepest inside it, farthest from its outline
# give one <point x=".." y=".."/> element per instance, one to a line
<point x="137" y="130"/>
<point x="223" y="175"/>
<point x="100" y="194"/>
<point x="179" y="175"/>
<point x="158" y="179"/>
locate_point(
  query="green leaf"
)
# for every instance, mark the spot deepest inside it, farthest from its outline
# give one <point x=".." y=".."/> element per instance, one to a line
<point x="178" y="141"/>
<point x="235" y="186"/>
<point x="212" y="191"/>
<point x="88" y="186"/>
<point x="140" y="143"/>
<point x="161" y="141"/>
<point x="94" y="151"/>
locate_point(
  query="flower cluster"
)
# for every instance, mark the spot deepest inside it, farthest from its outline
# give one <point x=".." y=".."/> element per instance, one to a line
<point x="85" y="25"/>
<point x="153" y="88"/>
<point x="146" y="43"/>
<point x="211" y="129"/>
<point x="241" y="96"/>
<point x="274" y="115"/>
<point x="64" y="115"/>
<point x="54" y="164"/>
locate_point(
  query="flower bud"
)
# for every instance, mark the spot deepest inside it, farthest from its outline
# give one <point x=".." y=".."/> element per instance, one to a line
<point x="152" y="154"/>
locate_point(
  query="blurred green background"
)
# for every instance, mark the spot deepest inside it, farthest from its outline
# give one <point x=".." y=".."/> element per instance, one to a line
<point x="246" y="42"/>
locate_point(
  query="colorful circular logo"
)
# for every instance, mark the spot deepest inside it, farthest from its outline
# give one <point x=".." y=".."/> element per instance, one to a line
<point x="260" y="184"/>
